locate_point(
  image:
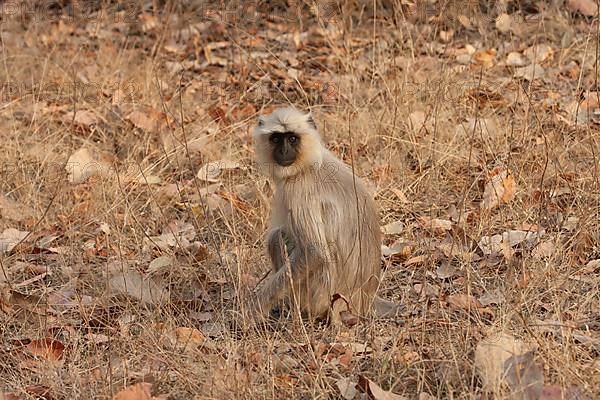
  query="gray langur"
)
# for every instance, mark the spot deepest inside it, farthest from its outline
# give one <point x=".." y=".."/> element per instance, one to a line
<point x="323" y="220"/>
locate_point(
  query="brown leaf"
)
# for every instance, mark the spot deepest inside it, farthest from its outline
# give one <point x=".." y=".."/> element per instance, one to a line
<point x="393" y="228"/>
<point x="491" y="354"/>
<point x="591" y="266"/>
<point x="347" y="388"/>
<point x="47" y="349"/>
<point x="211" y="171"/>
<point x="435" y="224"/>
<point x="503" y="22"/>
<point x="539" y="53"/>
<point x="589" y="8"/>
<point x="85" y="163"/>
<point x="348" y="319"/>
<point x="524" y="376"/>
<point x="530" y="72"/>
<point x="465" y="21"/>
<point x="218" y="115"/>
<point x="485" y="57"/>
<point x="189" y="339"/>
<point x="9" y="238"/>
<point x="515" y="59"/>
<point x="67" y="298"/>
<point x="492" y="297"/>
<point x="9" y="396"/>
<point x="133" y="284"/>
<point x="176" y="233"/>
<point x="426" y="290"/>
<point x="398" y="250"/>
<point x="148" y="119"/>
<point x="84" y="118"/>
<point x="400" y="195"/>
<point x="139" y="391"/>
<point x="555" y="392"/>
<point x="14" y="210"/>
<point x="225" y="382"/>
<point x="545" y="249"/>
<point x="375" y="391"/>
<point x="40" y="392"/>
<point x="501" y="188"/>
<point x="463" y="301"/>
<point x="416" y="260"/>
<point x="508" y="240"/>
<point x="243" y="113"/>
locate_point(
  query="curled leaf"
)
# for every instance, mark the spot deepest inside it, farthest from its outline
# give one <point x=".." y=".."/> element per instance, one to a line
<point x="211" y="171"/>
<point x="500" y="189"/>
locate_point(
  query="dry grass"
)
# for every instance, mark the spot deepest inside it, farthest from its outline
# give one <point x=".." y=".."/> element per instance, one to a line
<point x="389" y="94"/>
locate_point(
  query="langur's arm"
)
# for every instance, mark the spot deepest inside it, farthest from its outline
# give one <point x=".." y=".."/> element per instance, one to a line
<point x="302" y="261"/>
<point x="279" y="244"/>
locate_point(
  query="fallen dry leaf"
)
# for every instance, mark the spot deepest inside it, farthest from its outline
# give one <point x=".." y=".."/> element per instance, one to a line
<point x="84" y="118"/>
<point x="160" y="264"/>
<point x="556" y="392"/>
<point x="39" y="392"/>
<point x="492" y="297"/>
<point x="490" y="357"/>
<point x="426" y="290"/>
<point x="85" y="163"/>
<point x="190" y="339"/>
<point x="393" y="228"/>
<point x="176" y="233"/>
<point x="465" y="21"/>
<point x="530" y="72"/>
<point x="589" y="8"/>
<point x="539" y="53"/>
<point x="47" y="349"/>
<point x="211" y="171"/>
<point x="416" y="260"/>
<point x="347" y="388"/>
<point x="398" y="250"/>
<point x="463" y="302"/>
<point x="591" y="266"/>
<point x="485" y="57"/>
<point x="501" y="188"/>
<point x="9" y="396"/>
<point x="376" y="392"/>
<point x="545" y="249"/>
<point x="139" y="391"/>
<point x="13" y="210"/>
<point x="503" y="22"/>
<point x="147" y="119"/>
<point x="400" y="195"/>
<point x="67" y="298"/>
<point x="9" y="238"/>
<point x="417" y="120"/>
<point x="143" y="289"/>
<point x="524" y="377"/>
<point x="435" y="224"/>
<point x="498" y="243"/>
<point x="515" y="59"/>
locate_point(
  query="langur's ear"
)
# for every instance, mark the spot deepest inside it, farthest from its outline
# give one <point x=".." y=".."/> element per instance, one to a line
<point x="261" y="120"/>
<point x="311" y="121"/>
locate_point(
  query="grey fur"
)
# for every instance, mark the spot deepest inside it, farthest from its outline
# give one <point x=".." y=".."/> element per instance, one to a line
<point x="323" y="220"/>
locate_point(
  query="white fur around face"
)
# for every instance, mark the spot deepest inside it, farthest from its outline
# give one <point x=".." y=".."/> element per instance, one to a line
<point x="288" y="119"/>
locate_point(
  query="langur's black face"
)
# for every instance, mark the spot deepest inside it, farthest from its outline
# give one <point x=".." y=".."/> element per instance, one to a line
<point x="285" y="147"/>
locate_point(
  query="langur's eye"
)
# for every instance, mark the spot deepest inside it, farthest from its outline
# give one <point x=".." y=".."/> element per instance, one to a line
<point x="275" y="139"/>
<point x="293" y="139"/>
